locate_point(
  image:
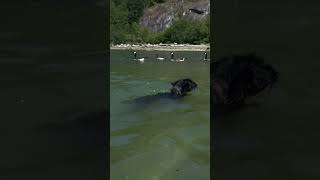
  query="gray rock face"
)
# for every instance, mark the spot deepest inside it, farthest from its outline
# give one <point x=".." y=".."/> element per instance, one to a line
<point x="161" y="16"/>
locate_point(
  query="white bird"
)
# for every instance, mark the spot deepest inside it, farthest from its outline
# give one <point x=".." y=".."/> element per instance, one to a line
<point x="180" y="60"/>
<point x="159" y="58"/>
<point x="137" y="59"/>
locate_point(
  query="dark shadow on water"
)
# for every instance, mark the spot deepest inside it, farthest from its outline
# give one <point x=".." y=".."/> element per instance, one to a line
<point x="84" y="128"/>
<point x="146" y="100"/>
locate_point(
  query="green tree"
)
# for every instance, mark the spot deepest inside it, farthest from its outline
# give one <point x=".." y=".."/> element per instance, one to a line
<point x="118" y="22"/>
<point x="136" y="8"/>
<point x="124" y="26"/>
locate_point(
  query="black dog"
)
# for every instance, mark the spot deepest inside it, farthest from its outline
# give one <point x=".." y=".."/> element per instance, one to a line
<point x="180" y="88"/>
<point x="234" y="79"/>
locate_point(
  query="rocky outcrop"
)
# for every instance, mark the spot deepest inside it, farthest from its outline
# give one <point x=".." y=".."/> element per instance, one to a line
<point x="161" y="16"/>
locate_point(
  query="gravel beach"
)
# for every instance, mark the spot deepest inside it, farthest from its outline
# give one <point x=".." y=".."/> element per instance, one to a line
<point x="162" y="47"/>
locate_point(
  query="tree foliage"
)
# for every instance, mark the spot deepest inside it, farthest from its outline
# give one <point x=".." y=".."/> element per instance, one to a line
<point x="125" y="28"/>
<point x="185" y="31"/>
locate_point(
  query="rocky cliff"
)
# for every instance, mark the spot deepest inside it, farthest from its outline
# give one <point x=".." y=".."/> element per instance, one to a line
<point x="161" y="16"/>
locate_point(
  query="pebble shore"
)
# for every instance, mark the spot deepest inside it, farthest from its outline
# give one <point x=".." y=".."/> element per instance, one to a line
<point x="161" y="47"/>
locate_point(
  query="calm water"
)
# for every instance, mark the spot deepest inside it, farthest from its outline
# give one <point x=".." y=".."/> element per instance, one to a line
<point x="54" y="102"/>
<point x="165" y="139"/>
<point x="53" y="90"/>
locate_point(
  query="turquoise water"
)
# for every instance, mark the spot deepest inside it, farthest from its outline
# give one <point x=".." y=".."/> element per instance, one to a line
<point x="164" y="139"/>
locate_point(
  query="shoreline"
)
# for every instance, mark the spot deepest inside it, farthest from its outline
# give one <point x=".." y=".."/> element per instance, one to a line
<point x="161" y="47"/>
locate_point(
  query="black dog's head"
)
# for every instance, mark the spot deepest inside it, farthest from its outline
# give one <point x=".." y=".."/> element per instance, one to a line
<point x="182" y="87"/>
<point x="263" y="76"/>
<point x="237" y="77"/>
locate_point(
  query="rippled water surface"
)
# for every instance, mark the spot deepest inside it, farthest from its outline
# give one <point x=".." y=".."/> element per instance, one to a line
<point x="162" y="139"/>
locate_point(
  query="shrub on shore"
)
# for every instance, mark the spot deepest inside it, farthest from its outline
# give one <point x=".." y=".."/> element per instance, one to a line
<point x="125" y="28"/>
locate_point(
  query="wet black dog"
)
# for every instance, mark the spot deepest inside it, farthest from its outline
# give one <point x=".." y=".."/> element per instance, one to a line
<point x="180" y="88"/>
<point x="236" y="78"/>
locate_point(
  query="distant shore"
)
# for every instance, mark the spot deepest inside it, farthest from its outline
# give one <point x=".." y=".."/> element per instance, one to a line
<point x="161" y="47"/>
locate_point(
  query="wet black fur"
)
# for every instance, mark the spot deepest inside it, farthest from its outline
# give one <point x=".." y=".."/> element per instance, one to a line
<point x="236" y="78"/>
<point x="182" y="87"/>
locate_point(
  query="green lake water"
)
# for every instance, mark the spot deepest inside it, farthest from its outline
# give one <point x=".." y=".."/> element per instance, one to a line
<point x="165" y="139"/>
